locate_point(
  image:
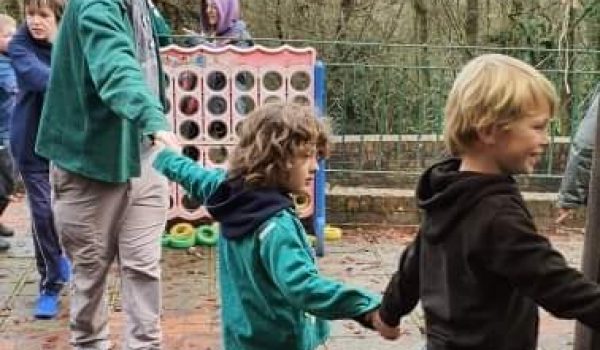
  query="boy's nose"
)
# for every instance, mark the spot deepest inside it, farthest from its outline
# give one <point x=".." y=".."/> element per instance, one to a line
<point x="545" y="139"/>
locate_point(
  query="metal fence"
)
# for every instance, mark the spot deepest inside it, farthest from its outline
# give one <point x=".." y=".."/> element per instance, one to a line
<point x="385" y="101"/>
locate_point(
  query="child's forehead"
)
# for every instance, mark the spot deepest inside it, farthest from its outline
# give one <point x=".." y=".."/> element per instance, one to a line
<point x="536" y="104"/>
<point x="39" y="7"/>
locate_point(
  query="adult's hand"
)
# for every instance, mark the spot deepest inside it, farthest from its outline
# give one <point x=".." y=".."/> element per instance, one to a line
<point x="168" y="139"/>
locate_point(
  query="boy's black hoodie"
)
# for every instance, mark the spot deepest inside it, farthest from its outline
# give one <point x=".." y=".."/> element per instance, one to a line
<point x="480" y="268"/>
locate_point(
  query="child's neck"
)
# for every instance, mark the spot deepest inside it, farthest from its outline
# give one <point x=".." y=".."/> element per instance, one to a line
<point x="479" y="163"/>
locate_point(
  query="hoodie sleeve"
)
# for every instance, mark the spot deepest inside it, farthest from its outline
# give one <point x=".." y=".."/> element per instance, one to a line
<point x="287" y="259"/>
<point x="525" y="258"/>
<point x="574" y="186"/>
<point x="8" y="82"/>
<point x="196" y="180"/>
<point x="113" y="66"/>
<point x="32" y="72"/>
<point x="402" y="292"/>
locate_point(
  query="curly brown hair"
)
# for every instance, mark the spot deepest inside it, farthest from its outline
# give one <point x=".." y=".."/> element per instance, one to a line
<point x="270" y="138"/>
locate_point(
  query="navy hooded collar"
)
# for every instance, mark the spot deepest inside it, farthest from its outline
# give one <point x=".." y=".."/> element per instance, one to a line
<point x="241" y="209"/>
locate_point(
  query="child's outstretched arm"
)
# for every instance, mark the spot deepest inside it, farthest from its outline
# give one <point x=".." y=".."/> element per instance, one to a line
<point x="196" y="180"/>
<point x="287" y="259"/>
<point x="402" y="292"/>
<point x="513" y="249"/>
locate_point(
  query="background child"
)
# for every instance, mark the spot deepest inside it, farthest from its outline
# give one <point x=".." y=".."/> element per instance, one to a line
<point x="478" y="265"/>
<point x="220" y="24"/>
<point x="30" y="54"/>
<point x="8" y="91"/>
<point x="272" y="296"/>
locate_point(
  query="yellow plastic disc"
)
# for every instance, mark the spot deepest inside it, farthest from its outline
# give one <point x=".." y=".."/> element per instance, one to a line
<point x="181" y="230"/>
<point x="333" y="233"/>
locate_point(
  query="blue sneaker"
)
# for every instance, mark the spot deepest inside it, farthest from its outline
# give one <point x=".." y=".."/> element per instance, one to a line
<point x="46" y="307"/>
<point x="64" y="269"/>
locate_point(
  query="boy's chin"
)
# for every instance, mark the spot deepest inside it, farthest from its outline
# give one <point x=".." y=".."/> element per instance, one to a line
<point x="526" y="170"/>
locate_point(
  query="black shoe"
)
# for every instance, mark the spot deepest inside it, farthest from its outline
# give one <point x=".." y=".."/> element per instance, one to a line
<point x="4" y="245"/>
<point x="6" y="231"/>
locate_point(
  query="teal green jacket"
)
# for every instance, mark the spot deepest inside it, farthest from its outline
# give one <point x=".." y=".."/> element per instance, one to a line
<point x="97" y="106"/>
<point x="272" y="295"/>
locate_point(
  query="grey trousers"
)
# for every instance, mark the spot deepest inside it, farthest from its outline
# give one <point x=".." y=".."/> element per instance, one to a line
<point x="98" y="222"/>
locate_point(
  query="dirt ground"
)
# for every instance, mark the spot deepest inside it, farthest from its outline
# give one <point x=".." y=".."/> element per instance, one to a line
<point x="365" y="257"/>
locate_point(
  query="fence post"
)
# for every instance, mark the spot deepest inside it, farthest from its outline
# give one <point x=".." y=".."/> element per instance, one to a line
<point x="319" y="219"/>
<point x="586" y="338"/>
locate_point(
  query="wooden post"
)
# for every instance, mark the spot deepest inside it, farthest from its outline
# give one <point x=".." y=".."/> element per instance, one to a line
<point x="586" y="338"/>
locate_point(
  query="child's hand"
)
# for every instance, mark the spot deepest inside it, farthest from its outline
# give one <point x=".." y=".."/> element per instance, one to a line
<point x="564" y="214"/>
<point x="168" y="139"/>
<point x="387" y="332"/>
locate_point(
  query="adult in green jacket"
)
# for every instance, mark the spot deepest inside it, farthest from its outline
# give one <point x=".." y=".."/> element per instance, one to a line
<point x="272" y="295"/>
<point x="102" y="111"/>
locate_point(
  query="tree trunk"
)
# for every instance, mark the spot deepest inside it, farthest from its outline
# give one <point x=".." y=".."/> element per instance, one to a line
<point x="472" y="22"/>
<point x="591" y="30"/>
<point x="278" y="21"/>
<point x="420" y="24"/>
<point x="346" y="9"/>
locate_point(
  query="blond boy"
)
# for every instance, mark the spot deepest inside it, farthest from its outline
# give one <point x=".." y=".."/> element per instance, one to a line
<point x="478" y="264"/>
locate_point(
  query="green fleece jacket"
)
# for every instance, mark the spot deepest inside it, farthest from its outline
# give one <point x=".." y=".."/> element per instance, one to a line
<point x="97" y="106"/>
<point x="272" y="295"/>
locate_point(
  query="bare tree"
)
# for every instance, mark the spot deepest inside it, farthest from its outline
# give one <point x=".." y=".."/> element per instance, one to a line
<point x="472" y="22"/>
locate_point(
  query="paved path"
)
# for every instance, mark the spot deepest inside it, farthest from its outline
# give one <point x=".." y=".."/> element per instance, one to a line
<point x="190" y="318"/>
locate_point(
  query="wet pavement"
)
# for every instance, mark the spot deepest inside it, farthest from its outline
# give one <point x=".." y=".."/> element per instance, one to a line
<point x="190" y="320"/>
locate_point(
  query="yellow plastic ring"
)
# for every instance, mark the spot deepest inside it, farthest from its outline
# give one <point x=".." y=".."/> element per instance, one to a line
<point x="182" y="229"/>
<point x="333" y="233"/>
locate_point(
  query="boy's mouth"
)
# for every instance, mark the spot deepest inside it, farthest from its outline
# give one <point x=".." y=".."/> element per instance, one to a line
<point x="536" y="157"/>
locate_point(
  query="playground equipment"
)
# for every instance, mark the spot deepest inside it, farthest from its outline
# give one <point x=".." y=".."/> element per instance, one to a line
<point x="211" y="90"/>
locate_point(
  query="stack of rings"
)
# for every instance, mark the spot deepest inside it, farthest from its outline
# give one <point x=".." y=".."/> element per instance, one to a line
<point x="182" y="235"/>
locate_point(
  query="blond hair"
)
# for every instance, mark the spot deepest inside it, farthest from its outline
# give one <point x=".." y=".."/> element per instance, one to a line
<point x="270" y="138"/>
<point x="492" y="89"/>
<point x="6" y="21"/>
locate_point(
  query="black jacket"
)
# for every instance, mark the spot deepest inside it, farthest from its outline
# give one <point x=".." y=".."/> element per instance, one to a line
<point x="480" y="268"/>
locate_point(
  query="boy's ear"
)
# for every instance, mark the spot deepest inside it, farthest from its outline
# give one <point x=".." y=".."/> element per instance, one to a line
<point x="488" y="135"/>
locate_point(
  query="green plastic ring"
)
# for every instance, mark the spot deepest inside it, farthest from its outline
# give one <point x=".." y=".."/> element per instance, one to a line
<point x="182" y="236"/>
<point x="165" y="239"/>
<point x="207" y="235"/>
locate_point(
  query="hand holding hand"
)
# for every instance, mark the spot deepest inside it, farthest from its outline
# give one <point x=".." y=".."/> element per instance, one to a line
<point x="168" y="139"/>
<point x="387" y="332"/>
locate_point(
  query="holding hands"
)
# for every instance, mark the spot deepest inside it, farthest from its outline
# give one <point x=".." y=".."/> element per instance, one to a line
<point x="167" y="139"/>
<point x="373" y="319"/>
<point x="387" y="332"/>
